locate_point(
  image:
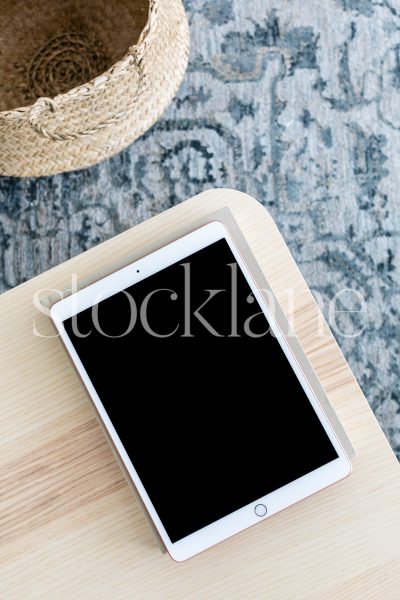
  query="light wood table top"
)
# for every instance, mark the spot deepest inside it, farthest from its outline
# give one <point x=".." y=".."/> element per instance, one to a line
<point x="69" y="526"/>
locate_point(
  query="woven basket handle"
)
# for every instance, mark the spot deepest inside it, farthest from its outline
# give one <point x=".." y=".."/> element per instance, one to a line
<point x="44" y="105"/>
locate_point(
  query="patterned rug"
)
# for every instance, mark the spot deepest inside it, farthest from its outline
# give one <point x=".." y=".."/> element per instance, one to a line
<point x="296" y="103"/>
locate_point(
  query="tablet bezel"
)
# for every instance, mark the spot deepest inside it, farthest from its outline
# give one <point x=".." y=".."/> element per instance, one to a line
<point x="275" y="501"/>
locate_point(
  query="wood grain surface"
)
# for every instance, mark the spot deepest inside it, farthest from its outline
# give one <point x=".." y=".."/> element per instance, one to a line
<point x="69" y="526"/>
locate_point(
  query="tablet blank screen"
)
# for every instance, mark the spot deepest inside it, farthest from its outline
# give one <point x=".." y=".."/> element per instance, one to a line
<point x="203" y="399"/>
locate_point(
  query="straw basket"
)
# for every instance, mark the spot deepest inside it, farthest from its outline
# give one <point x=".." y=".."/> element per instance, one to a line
<point x="88" y="76"/>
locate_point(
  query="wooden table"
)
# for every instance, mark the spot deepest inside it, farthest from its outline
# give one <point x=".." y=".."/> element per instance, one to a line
<point x="69" y="526"/>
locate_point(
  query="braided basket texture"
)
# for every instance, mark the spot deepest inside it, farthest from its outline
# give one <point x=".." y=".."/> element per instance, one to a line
<point x="80" y="80"/>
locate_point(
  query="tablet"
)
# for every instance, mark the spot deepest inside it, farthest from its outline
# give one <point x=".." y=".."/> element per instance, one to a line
<point x="203" y="400"/>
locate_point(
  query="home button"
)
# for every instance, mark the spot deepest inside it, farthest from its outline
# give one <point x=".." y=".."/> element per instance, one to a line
<point x="260" y="510"/>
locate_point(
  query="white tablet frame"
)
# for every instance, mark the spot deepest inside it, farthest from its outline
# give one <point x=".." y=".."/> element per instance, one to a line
<point x="275" y="501"/>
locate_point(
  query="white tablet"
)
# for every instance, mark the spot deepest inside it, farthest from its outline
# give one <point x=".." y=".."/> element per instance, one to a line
<point x="210" y="413"/>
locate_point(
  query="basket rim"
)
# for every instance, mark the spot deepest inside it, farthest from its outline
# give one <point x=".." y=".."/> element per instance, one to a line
<point x="118" y="67"/>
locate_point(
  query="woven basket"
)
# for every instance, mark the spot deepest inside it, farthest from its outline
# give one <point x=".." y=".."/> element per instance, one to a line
<point x="89" y="76"/>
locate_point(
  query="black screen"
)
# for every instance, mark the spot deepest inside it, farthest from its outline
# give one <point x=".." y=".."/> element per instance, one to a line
<point x="201" y="395"/>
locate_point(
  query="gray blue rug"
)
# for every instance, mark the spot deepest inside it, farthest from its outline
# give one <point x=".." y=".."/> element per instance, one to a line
<point x="296" y="103"/>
